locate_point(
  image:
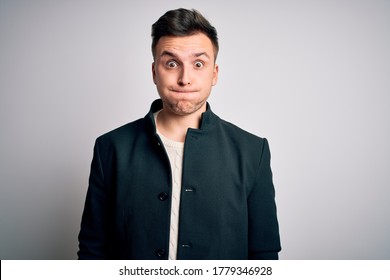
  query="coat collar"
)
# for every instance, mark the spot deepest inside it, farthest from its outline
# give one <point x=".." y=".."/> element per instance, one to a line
<point x="207" y="121"/>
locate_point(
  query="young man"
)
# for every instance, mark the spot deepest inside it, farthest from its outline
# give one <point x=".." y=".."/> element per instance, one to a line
<point x="180" y="183"/>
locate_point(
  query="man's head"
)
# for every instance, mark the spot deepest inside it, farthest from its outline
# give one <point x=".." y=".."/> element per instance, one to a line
<point x="183" y="22"/>
<point x="184" y="70"/>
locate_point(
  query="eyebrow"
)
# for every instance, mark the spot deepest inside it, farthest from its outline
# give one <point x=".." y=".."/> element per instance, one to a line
<point x="202" y="54"/>
<point x="167" y="53"/>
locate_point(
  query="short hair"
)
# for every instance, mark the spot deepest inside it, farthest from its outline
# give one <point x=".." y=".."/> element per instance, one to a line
<point x="183" y="22"/>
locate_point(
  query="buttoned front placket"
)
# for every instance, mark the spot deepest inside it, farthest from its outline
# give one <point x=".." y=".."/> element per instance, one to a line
<point x="164" y="197"/>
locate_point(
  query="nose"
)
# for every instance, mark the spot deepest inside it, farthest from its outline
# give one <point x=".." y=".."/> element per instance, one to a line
<point x="184" y="77"/>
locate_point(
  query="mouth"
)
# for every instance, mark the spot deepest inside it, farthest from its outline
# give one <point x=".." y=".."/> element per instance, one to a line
<point x="181" y="91"/>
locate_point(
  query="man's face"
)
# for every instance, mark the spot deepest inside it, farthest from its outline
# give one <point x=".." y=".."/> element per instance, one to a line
<point x="184" y="72"/>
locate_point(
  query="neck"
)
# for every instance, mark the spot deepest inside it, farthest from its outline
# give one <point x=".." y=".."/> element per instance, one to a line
<point x="175" y="126"/>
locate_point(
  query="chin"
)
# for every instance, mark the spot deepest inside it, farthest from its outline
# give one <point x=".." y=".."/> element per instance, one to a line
<point x="184" y="108"/>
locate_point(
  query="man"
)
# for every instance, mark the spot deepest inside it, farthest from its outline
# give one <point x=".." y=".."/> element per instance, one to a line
<point x="180" y="183"/>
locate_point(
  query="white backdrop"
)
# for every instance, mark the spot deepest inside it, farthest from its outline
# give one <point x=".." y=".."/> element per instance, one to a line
<point x="311" y="76"/>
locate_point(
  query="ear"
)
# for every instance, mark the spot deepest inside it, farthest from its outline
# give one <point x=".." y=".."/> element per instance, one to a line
<point x="154" y="73"/>
<point x="215" y="74"/>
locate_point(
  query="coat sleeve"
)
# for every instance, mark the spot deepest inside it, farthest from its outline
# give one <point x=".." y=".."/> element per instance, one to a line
<point x="264" y="240"/>
<point x="92" y="236"/>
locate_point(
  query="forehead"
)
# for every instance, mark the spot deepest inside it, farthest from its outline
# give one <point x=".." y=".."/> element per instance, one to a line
<point x="185" y="45"/>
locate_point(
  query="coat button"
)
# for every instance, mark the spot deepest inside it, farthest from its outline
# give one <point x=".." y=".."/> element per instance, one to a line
<point x="161" y="253"/>
<point x="163" y="196"/>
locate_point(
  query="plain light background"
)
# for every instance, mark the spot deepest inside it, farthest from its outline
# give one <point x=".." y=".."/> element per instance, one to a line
<point x="313" y="77"/>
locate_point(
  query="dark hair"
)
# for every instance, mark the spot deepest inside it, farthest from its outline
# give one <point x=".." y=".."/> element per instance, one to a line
<point x="183" y="22"/>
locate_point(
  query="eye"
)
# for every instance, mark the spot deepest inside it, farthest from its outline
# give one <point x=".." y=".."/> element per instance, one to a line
<point x="171" y="64"/>
<point x="199" y="64"/>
